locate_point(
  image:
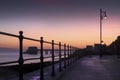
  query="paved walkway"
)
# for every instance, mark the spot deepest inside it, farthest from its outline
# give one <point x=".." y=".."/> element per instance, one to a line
<point x="87" y="68"/>
<point x="93" y="68"/>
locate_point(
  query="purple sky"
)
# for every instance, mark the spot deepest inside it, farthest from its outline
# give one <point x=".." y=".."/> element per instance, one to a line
<point x="70" y="21"/>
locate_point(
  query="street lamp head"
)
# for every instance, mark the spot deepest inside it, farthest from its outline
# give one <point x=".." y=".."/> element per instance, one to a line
<point x="102" y="41"/>
<point x="105" y="16"/>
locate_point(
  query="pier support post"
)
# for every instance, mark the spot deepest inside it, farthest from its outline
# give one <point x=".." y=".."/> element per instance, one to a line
<point x="20" y="61"/>
<point x="41" y="59"/>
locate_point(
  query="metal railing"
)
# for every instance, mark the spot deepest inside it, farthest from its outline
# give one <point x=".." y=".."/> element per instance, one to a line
<point x="69" y="57"/>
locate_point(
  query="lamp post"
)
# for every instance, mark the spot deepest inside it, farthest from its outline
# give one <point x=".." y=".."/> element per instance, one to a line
<point x="102" y="16"/>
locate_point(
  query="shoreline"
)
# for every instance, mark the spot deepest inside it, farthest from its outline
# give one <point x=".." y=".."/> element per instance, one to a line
<point x="26" y="67"/>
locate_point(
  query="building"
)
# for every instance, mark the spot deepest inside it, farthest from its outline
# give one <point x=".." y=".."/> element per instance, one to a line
<point x="98" y="47"/>
<point x="32" y="50"/>
<point x="114" y="47"/>
<point x="89" y="48"/>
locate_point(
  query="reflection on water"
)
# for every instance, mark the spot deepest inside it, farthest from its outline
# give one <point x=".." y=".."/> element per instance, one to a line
<point x="14" y="56"/>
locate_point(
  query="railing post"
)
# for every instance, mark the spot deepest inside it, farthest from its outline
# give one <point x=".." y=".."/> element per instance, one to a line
<point x="60" y="66"/>
<point x="76" y="54"/>
<point x="20" y="61"/>
<point x="72" y="53"/>
<point x="64" y="55"/>
<point x="68" y="55"/>
<point x="53" y="62"/>
<point x="41" y="59"/>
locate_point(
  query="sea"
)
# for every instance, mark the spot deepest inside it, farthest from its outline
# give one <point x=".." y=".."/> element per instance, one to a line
<point x="14" y="56"/>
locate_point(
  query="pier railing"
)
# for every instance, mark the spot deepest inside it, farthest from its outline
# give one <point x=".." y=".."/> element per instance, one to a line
<point x="70" y="54"/>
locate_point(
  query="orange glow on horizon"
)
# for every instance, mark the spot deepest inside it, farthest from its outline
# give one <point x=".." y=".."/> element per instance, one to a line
<point x="77" y="32"/>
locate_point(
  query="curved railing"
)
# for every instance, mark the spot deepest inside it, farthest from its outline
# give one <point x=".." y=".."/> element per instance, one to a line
<point x="71" y="52"/>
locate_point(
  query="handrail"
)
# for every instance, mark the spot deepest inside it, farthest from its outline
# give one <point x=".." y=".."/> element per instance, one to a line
<point x="11" y="62"/>
<point x="13" y="35"/>
<point x="31" y="39"/>
<point x="8" y="34"/>
<point x="68" y="52"/>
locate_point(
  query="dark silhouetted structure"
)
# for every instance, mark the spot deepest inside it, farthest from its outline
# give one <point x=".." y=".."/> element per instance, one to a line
<point x="32" y="50"/>
<point x="114" y="47"/>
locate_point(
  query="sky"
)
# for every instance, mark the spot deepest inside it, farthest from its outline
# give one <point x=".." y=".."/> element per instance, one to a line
<point x="74" y="22"/>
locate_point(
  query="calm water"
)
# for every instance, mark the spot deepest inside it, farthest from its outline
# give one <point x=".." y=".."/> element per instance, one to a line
<point x="14" y="56"/>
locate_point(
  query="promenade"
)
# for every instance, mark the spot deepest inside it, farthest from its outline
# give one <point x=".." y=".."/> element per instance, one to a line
<point x="86" y="68"/>
<point x="93" y="68"/>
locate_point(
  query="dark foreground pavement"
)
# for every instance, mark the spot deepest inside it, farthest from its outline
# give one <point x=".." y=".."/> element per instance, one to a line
<point x="87" y="68"/>
<point x="93" y="68"/>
